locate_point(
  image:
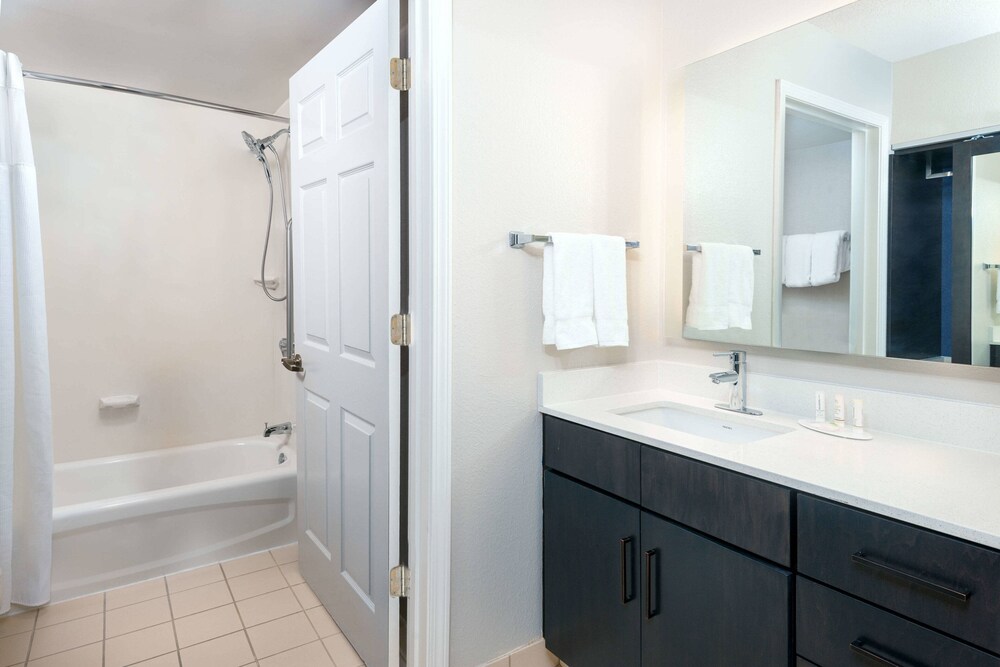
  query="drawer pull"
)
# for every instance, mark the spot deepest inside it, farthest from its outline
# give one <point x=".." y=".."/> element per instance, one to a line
<point x="861" y="559"/>
<point x="648" y="558"/>
<point x="626" y="553"/>
<point x="858" y="646"/>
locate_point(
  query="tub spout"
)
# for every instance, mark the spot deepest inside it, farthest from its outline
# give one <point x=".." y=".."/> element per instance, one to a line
<point x="284" y="427"/>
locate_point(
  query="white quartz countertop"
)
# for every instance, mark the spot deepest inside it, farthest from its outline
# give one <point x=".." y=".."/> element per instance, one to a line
<point x="949" y="489"/>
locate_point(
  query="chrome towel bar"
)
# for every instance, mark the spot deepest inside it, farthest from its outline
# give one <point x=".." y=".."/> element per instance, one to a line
<point x="692" y="247"/>
<point x="520" y="239"/>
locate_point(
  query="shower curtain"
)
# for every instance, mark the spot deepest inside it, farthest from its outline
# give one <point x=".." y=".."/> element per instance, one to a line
<point x="25" y="401"/>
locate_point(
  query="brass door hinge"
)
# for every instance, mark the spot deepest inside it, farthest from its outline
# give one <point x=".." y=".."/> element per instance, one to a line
<point x="401" y="329"/>
<point x="399" y="582"/>
<point x="399" y="73"/>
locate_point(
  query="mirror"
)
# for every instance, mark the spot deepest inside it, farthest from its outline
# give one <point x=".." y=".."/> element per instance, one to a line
<point x="859" y="154"/>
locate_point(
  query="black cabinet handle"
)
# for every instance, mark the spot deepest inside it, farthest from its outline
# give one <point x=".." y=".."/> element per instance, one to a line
<point x="860" y="558"/>
<point x="626" y="560"/>
<point x="648" y="559"/>
<point x="858" y="646"/>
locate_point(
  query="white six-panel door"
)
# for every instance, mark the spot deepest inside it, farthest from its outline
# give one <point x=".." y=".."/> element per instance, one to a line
<point x="345" y="182"/>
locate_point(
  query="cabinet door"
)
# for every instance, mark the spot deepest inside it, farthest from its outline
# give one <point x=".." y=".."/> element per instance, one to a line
<point x="591" y="585"/>
<point x="707" y="604"/>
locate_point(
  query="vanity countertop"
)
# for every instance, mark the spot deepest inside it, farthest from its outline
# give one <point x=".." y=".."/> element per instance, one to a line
<point x="942" y="487"/>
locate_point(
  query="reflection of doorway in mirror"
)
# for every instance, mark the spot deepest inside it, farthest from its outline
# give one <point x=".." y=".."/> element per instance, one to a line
<point x="985" y="257"/>
<point x="830" y="193"/>
<point x="944" y="229"/>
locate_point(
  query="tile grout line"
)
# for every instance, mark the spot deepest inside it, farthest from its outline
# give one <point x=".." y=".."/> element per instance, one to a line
<point x="246" y="635"/>
<point x="173" y="621"/>
<point x="104" y="630"/>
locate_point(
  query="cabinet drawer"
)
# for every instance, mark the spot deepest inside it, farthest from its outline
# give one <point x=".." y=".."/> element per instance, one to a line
<point x="746" y="512"/>
<point x="833" y="630"/>
<point x="600" y="459"/>
<point x="917" y="573"/>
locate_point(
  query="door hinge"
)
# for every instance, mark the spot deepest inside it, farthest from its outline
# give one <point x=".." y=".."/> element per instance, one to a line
<point x="399" y="582"/>
<point x="399" y="73"/>
<point x="401" y="329"/>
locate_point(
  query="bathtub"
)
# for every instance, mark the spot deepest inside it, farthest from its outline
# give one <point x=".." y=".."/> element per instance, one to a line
<point x="123" y="519"/>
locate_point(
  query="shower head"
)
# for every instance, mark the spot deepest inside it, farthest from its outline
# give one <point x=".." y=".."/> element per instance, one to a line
<point x="257" y="146"/>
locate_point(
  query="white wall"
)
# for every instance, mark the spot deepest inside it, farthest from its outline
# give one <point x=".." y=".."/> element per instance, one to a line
<point x="729" y="138"/>
<point x="947" y="91"/>
<point x="557" y="121"/>
<point x="152" y="225"/>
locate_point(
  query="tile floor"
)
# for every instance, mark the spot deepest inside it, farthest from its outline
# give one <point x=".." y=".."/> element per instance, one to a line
<point x="255" y="610"/>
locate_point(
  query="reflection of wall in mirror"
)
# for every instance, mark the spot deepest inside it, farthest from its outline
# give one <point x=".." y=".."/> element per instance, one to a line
<point x="951" y="90"/>
<point x="985" y="250"/>
<point x="729" y="134"/>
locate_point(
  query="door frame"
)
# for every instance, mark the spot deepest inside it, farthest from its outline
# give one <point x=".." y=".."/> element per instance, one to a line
<point x="429" y="34"/>
<point x="870" y="136"/>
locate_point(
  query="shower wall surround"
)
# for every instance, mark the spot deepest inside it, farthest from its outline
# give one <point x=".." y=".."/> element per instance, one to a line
<point x="152" y="224"/>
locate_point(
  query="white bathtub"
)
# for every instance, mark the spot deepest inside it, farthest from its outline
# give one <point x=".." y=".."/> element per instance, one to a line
<point x="123" y="519"/>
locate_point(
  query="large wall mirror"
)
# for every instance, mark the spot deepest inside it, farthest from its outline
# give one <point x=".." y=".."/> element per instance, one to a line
<point x="859" y="154"/>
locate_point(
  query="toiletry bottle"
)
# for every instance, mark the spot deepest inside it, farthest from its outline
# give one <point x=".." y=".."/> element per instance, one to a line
<point x="859" y="415"/>
<point x="838" y="410"/>
<point x="820" y="407"/>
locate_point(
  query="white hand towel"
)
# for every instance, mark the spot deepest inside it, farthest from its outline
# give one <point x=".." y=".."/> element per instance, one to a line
<point x="827" y="257"/>
<point x="722" y="282"/>
<point x="997" y="292"/>
<point x="796" y="260"/>
<point x="610" y="292"/>
<point x="573" y="291"/>
<point x="548" y="296"/>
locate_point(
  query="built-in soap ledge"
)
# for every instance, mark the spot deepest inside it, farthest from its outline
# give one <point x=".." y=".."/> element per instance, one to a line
<point x="119" y="402"/>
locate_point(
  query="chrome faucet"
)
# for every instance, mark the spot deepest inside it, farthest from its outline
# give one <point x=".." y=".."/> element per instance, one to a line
<point x="284" y="427"/>
<point x="737" y="375"/>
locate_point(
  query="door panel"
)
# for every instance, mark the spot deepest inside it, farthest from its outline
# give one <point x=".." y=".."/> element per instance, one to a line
<point x="345" y="205"/>
<point x="591" y="580"/>
<point x="704" y="603"/>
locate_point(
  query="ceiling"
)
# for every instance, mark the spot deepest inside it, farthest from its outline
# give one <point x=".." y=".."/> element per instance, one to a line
<point x="804" y="132"/>
<point x="895" y="30"/>
<point x="235" y="52"/>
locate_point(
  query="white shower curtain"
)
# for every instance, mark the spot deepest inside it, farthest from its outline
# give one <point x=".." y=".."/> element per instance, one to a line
<point x="25" y="401"/>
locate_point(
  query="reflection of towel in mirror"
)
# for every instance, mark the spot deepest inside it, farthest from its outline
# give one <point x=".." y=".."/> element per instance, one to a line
<point x="811" y="260"/>
<point x="721" y="287"/>
<point x="831" y="255"/>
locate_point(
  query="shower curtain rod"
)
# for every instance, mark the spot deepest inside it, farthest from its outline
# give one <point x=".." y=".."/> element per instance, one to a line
<point x="58" y="78"/>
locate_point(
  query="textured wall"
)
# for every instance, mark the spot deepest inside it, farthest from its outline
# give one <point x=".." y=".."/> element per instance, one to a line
<point x="152" y="224"/>
<point x="557" y="117"/>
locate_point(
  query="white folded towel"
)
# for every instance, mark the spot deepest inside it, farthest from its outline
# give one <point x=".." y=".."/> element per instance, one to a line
<point x="548" y="296"/>
<point x="573" y="291"/>
<point x="610" y="291"/>
<point x="831" y="252"/>
<point x="811" y="260"/>
<point x="722" y="278"/>
<point x="796" y="260"/>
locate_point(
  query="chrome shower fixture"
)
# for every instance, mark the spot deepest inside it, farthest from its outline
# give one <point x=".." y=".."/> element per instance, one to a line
<point x="257" y="146"/>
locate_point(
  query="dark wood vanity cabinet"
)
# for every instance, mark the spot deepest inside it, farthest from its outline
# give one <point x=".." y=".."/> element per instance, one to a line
<point x="654" y="559"/>
<point x="626" y="587"/>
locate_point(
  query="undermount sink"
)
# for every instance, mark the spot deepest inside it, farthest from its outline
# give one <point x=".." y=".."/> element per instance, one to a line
<point x="703" y="423"/>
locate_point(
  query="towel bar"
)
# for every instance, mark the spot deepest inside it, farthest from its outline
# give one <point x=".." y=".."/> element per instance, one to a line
<point x="987" y="267"/>
<point x="691" y="247"/>
<point x="520" y="239"/>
